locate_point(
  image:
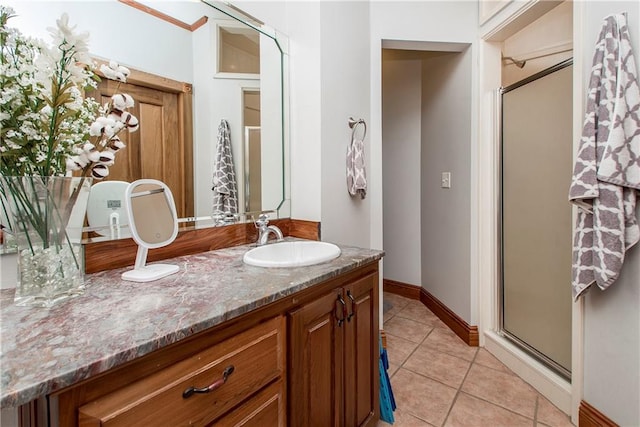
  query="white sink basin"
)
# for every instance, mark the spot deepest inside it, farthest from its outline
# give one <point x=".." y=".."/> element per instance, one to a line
<point x="291" y="254"/>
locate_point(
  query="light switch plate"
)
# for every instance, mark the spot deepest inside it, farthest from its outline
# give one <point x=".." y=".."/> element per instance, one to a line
<point x="446" y="180"/>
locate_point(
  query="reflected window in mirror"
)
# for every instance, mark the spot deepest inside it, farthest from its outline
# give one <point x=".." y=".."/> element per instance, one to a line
<point x="238" y="51"/>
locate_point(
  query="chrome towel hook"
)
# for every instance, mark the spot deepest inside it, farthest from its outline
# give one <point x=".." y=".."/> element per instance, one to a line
<point x="353" y="124"/>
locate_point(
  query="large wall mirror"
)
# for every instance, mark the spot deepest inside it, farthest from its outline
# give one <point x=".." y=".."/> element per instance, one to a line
<point x="222" y="64"/>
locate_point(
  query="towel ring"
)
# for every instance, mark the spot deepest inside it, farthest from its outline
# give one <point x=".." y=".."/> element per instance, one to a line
<point x="353" y="124"/>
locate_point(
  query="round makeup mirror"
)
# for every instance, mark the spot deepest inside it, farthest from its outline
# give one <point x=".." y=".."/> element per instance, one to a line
<point x="153" y="223"/>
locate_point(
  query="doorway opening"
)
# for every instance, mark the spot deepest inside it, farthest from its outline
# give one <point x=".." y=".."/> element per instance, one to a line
<point x="426" y="135"/>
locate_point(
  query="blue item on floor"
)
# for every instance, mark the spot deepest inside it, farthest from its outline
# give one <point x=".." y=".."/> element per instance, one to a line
<point x="387" y="401"/>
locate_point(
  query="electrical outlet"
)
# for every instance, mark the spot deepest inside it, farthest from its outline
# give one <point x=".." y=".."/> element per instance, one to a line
<point x="445" y="181"/>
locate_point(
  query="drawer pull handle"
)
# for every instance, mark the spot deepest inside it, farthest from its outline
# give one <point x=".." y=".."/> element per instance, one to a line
<point x="353" y="304"/>
<point x="213" y="386"/>
<point x="342" y="309"/>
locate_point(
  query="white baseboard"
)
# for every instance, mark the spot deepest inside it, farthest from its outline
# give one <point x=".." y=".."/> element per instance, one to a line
<point x="552" y="386"/>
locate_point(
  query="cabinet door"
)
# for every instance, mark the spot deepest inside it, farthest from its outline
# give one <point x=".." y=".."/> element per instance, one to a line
<point x="315" y="362"/>
<point x="361" y="377"/>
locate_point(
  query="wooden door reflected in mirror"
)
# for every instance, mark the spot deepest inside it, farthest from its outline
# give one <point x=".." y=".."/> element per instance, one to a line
<point x="162" y="148"/>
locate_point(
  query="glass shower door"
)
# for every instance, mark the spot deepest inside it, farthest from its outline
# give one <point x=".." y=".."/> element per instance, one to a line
<point x="536" y="166"/>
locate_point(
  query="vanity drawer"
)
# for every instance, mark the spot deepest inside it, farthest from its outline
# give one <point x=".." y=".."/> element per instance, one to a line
<point x="257" y="358"/>
<point x="265" y="409"/>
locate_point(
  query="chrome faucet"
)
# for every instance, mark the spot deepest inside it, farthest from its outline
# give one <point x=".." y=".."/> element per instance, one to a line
<point x="264" y="229"/>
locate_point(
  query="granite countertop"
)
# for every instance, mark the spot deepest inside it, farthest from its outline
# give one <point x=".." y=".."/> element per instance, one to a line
<point x="43" y="350"/>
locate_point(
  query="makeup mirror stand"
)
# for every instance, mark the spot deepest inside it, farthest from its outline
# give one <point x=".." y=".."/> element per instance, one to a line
<point x="146" y="273"/>
<point x="153" y="223"/>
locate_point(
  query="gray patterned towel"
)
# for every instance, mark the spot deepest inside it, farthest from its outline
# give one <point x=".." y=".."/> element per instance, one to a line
<point x="356" y="175"/>
<point x="225" y="192"/>
<point x="606" y="173"/>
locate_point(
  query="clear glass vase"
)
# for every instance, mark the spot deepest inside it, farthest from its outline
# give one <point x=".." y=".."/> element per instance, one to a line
<point x="46" y="215"/>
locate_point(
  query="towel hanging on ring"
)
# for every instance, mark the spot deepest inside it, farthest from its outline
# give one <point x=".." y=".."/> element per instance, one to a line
<point x="356" y="174"/>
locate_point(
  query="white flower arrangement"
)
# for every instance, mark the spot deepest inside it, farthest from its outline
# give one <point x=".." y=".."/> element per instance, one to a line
<point x="47" y="126"/>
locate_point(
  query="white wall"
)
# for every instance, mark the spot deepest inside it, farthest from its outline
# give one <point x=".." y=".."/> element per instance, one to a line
<point x="612" y="317"/>
<point x="344" y="58"/>
<point x="446" y="143"/>
<point x="401" y="136"/>
<point x="117" y="39"/>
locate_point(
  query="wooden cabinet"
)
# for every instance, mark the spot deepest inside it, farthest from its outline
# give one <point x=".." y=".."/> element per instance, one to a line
<point x="333" y="357"/>
<point x="308" y="359"/>
<point x="201" y="389"/>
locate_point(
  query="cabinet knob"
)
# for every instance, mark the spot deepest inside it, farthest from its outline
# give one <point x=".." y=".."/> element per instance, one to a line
<point x="353" y="305"/>
<point x="213" y="386"/>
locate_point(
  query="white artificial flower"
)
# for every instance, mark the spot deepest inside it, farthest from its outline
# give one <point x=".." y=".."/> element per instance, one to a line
<point x="113" y="71"/>
<point x="73" y="163"/>
<point x="122" y="101"/>
<point x="107" y="72"/>
<point x="107" y="158"/>
<point x="94" y="156"/>
<point x="100" y="171"/>
<point x="65" y="35"/>
<point x="96" y="128"/>
<point x="41" y="157"/>
<point x="115" y="144"/>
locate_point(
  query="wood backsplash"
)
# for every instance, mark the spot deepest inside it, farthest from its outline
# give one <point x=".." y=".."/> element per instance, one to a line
<point x="100" y="256"/>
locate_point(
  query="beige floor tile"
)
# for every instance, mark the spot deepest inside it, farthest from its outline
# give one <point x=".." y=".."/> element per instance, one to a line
<point x="407" y="329"/>
<point x="550" y="415"/>
<point x="389" y="314"/>
<point x="422" y="397"/>
<point x="403" y="419"/>
<point x="426" y="373"/>
<point x="488" y="360"/>
<point x="469" y="411"/>
<point x="392" y="369"/>
<point x="396" y="302"/>
<point x="398" y="349"/>
<point x="416" y="310"/>
<point x="501" y="388"/>
<point x="443" y="339"/>
<point x="443" y="367"/>
<point x="440" y="324"/>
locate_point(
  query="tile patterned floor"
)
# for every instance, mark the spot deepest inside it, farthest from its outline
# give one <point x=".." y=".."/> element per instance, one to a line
<point x="438" y="380"/>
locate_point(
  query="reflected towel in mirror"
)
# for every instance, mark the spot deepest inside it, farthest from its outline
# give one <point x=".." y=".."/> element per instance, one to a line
<point x="225" y="191"/>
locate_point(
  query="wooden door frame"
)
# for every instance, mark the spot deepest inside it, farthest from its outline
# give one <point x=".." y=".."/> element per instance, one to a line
<point x="184" y="92"/>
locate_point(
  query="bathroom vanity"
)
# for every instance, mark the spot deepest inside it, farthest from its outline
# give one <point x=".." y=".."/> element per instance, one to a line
<point x="220" y="342"/>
